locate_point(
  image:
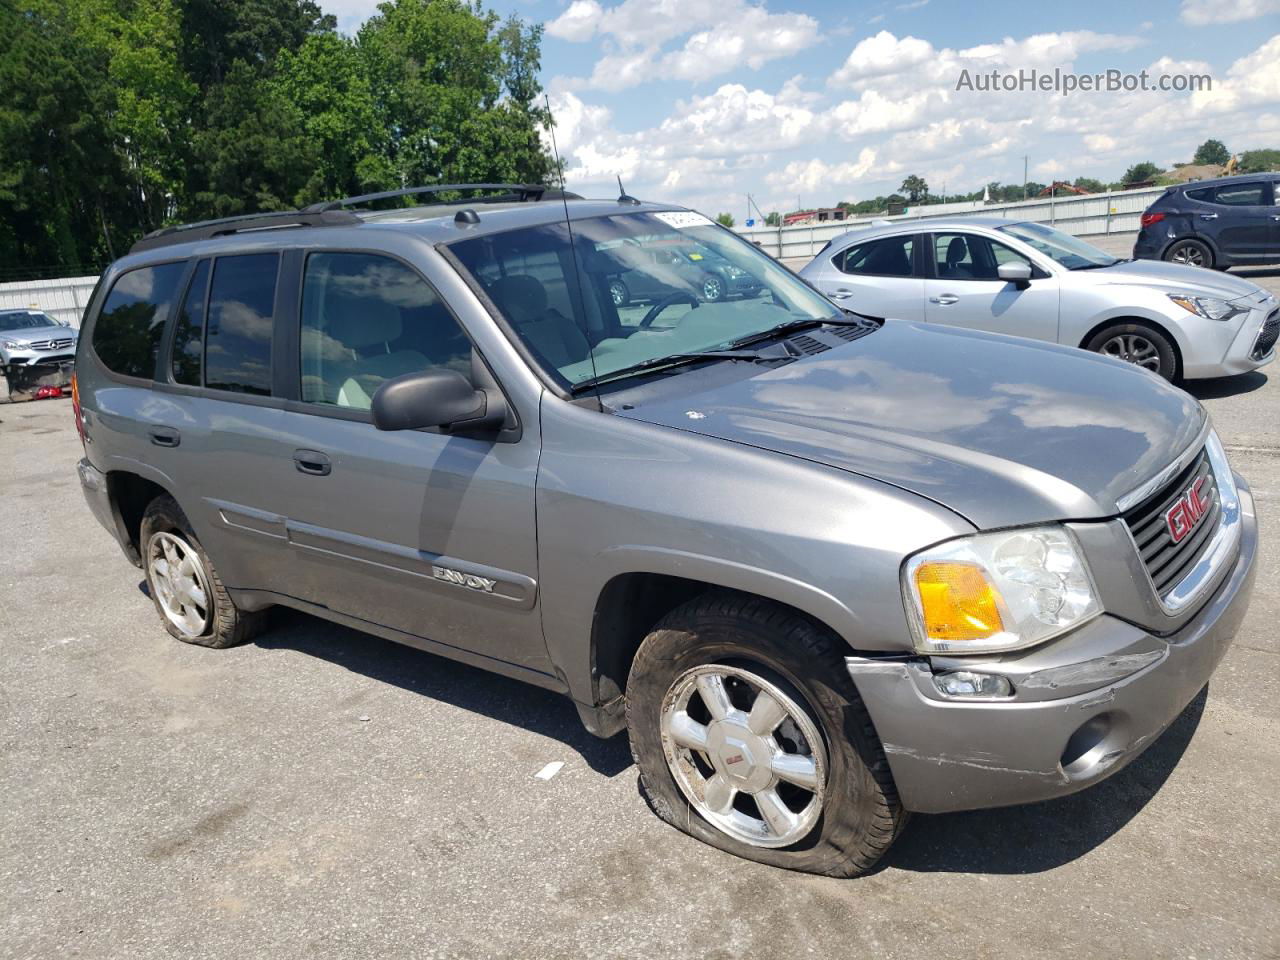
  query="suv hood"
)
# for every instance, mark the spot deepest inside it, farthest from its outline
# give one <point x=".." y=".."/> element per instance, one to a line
<point x="1174" y="278"/>
<point x="1003" y="431"/>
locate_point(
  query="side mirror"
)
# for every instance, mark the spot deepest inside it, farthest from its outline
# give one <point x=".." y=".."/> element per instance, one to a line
<point x="436" y="398"/>
<point x="1017" y="273"/>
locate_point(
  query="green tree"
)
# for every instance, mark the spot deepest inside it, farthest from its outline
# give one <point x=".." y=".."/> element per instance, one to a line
<point x="1088" y="183"/>
<point x="774" y="219"/>
<point x="725" y="219"/>
<point x="217" y="33"/>
<point x="914" y="187"/>
<point x="1259" y="161"/>
<point x="1140" y="172"/>
<point x="1212" y="152"/>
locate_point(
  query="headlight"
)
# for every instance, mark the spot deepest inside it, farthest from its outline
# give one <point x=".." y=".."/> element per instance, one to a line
<point x="13" y="345"/>
<point x="997" y="591"/>
<point x="1208" y="307"/>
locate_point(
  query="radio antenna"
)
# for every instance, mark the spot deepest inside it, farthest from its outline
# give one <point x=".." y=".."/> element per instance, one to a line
<point x="573" y="253"/>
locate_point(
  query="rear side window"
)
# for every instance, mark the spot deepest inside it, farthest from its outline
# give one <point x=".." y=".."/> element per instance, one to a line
<point x="188" y="331"/>
<point x="126" y="336"/>
<point x="237" y="352"/>
<point x="1242" y="195"/>
<point x="366" y="319"/>
<point x="891" y="257"/>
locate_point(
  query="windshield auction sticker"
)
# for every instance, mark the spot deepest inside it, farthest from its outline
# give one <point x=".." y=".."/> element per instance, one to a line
<point x="683" y="219"/>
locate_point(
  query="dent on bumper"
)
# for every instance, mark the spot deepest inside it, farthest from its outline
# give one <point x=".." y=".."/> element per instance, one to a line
<point x="1116" y="696"/>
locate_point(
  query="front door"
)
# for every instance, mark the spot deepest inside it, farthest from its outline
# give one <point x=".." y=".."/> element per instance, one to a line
<point x="417" y="530"/>
<point x="966" y="291"/>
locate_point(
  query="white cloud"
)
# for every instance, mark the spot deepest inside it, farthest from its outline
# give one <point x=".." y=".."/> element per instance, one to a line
<point x="1202" y="13"/>
<point x="1099" y="142"/>
<point x="816" y="174"/>
<point x="1253" y="79"/>
<point x="882" y="54"/>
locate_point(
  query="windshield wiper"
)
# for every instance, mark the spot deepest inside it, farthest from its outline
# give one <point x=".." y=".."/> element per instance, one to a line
<point x="793" y="325"/>
<point x="671" y="360"/>
<point x="1098" y="266"/>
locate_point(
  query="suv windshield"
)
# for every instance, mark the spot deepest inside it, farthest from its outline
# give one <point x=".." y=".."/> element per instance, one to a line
<point x="653" y="285"/>
<point x="1072" y="252"/>
<point x="25" y="320"/>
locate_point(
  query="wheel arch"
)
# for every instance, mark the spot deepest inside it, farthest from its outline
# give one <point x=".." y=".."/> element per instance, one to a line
<point x="1155" y="325"/>
<point x="130" y="494"/>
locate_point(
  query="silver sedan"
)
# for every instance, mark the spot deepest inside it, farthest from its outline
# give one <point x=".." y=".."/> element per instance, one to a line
<point x="1029" y="280"/>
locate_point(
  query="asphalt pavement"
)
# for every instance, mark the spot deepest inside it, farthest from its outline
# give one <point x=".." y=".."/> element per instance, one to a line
<point x="323" y="793"/>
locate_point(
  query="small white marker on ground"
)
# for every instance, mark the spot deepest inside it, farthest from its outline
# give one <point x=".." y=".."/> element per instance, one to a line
<point x="549" y="771"/>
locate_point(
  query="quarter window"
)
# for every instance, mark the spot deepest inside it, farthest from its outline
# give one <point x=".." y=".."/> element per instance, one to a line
<point x="366" y="319"/>
<point x="890" y="257"/>
<point x="126" y="336"/>
<point x="237" y="351"/>
<point x="188" y="331"/>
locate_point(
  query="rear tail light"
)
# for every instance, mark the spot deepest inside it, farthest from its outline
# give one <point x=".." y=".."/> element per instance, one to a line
<point x="1151" y="219"/>
<point x="75" y="412"/>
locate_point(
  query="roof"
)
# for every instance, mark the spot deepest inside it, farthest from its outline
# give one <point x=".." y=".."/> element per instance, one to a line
<point x="1235" y="178"/>
<point x="434" y="223"/>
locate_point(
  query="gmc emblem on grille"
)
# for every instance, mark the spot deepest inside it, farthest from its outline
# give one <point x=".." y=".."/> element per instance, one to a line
<point x="1187" y="511"/>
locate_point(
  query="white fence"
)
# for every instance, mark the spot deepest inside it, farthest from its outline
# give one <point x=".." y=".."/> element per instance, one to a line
<point x="1096" y="213"/>
<point x="61" y="299"/>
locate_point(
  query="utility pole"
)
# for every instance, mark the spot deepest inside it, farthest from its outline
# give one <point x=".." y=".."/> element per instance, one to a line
<point x="1024" y="176"/>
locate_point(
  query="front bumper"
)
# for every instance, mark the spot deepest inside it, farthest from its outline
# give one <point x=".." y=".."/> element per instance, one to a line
<point x="1252" y="346"/>
<point x="1073" y="720"/>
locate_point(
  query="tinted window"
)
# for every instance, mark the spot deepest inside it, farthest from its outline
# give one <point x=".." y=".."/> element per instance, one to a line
<point x="238" y="339"/>
<point x="126" y="336"/>
<point x="890" y="257"/>
<point x="1241" y="194"/>
<point x="188" y="331"/>
<point x="366" y="319"/>
<point x="967" y="256"/>
<point x="1204" y="194"/>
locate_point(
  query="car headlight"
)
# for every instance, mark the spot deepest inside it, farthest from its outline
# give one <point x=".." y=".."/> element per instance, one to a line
<point x="998" y="591"/>
<point x="12" y="345"/>
<point x="1208" y="307"/>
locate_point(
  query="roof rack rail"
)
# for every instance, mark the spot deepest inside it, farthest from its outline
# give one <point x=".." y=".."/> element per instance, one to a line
<point x="519" y="192"/>
<point x="205" y="229"/>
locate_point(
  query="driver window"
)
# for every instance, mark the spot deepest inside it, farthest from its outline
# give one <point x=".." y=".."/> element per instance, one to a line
<point x="967" y="256"/>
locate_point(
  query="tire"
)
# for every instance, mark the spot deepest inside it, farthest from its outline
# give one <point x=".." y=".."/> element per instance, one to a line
<point x="619" y="293"/>
<point x="858" y="814"/>
<point x="1191" y="252"/>
<point x="218" y="622"/>
<point x="1138" y="344"/>
<point x="713" y="288"/>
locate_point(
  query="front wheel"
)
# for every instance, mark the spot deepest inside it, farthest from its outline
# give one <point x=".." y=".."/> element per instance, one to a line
<point x="1138" y="344"/>
<point x="713" y="288"/>
<point x="619" y="293"/>
<point x="750" y="736"/>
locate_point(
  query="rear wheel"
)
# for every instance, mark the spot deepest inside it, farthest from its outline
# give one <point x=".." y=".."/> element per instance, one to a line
<point x="750" y="736"/>
<point x="712" y="288"/>
<point x="619" y="293"/>
<point x="193" y="604"/>
<point x="1138" y="344"/>
<point x="1191" y="252"/>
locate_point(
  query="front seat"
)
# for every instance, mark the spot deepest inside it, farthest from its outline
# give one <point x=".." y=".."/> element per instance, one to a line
<point x="553" y="336"/>
<point x="957" y="250"/>
<point x="366" y="328"/>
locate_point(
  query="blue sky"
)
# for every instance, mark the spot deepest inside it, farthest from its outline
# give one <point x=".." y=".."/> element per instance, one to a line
<point x="704" y="101"/>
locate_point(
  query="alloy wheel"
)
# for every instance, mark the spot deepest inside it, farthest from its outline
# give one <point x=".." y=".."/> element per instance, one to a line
<point x="618" y="293"/>
<point x="1191" y="255"/>
<point x="180" y="583"/>
<point x="745" y="754"/>
<point x="712" y="288"/>
<point x="1133" y="348"/>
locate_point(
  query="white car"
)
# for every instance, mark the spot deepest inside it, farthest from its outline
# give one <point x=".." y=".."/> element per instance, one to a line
<point x="1029" y="280"/>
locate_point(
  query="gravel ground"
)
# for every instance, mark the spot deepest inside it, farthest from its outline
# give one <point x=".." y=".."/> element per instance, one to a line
<point x="321" y="792"/>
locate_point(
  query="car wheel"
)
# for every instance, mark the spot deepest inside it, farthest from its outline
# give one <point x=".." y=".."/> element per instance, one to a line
<point x="750" y="736"/>
<point x="619" y="293"/>
<point x="1191" y="252"/>
<point x="712" y="288"/>
<point x="193" y="604"/>
<point x="1138" y="344"/>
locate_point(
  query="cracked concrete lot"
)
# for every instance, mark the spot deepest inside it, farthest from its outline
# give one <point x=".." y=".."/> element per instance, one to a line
<point x="322" y="793"/>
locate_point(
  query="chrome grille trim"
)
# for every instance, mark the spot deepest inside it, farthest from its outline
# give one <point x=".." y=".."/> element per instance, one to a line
<point x="1140" y="493"/>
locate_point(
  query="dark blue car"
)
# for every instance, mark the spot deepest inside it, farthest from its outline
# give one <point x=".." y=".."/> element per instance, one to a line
<point x="1231" y="221"/>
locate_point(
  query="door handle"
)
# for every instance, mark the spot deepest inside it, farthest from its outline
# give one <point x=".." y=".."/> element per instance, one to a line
<point x="944" y="298"/>
<point x="165" y="436"/>
<point x="842" y="295"/>
<point x="1208" y="216"/>
<point x="312" y="462"/>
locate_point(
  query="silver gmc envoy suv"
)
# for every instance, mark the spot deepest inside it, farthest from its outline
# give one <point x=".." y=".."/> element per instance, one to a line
<point x="825" y="570"/>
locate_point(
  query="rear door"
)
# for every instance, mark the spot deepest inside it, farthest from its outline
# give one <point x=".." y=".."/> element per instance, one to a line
<point x="879" y="277"/>
<point x="964" y="289"/>
<point x="1238" y="219"/>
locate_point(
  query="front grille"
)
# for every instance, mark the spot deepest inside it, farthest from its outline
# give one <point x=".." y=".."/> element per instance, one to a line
<point x="59" y="344"/>
<point x="1267" y="336"/>
<point x="1168" y="562"/>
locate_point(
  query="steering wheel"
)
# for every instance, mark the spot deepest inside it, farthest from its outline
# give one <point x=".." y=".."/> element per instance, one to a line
<point x="680" y="297"/>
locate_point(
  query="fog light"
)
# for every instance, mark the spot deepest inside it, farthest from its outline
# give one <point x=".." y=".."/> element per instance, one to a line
<point x="966" y="683"/>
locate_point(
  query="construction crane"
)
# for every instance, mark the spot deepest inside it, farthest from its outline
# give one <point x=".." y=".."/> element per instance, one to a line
<point x="1058" y="186"/>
